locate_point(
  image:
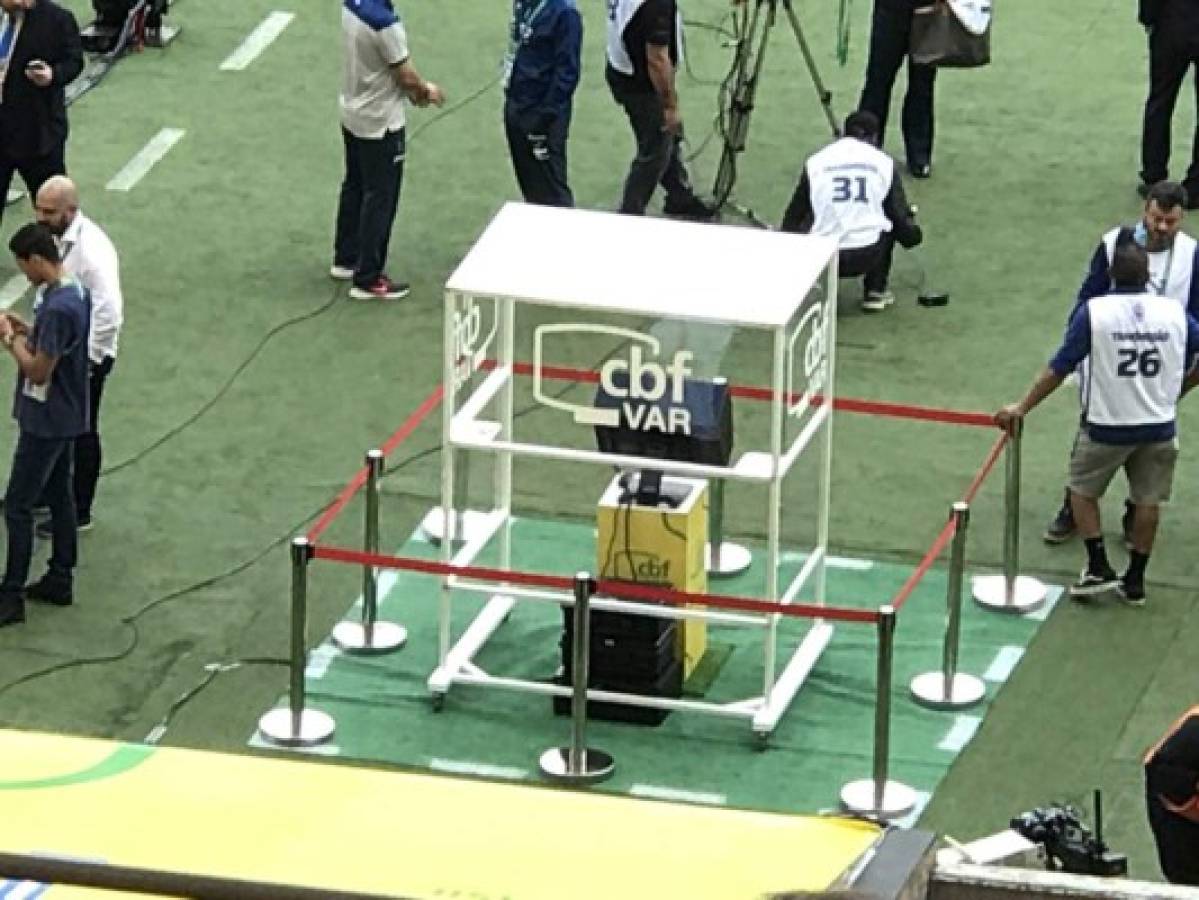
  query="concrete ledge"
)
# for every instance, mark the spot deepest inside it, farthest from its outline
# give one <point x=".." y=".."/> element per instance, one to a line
<point x="969" y="882"/>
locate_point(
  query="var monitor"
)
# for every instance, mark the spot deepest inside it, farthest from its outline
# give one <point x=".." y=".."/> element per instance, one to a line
<point x="697" y="428"/>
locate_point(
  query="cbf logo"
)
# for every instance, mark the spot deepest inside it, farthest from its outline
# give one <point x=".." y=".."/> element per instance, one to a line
<point x="640" y="565"/>
<point x="649" y="392"/>
<point x="807" y="358"/>
<point x="470" y="344"/>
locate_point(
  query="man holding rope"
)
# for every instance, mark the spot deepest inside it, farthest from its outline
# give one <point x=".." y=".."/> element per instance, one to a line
<point x="1141" y="356"/>
<point x="1172" y="256"/>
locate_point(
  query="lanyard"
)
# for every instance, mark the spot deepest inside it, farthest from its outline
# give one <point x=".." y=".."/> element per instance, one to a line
<point x="1161" y="289"/>
<point x="8" y="34"/>
<point x="522" y="30"/>
<point x="522" y="26"/>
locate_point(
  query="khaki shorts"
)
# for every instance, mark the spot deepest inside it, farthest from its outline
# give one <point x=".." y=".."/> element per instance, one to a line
<point x="1150" y="468"/>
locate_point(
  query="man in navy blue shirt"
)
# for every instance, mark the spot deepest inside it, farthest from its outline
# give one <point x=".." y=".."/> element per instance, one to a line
<point x="1140" y="354"/>
<point x="51" y="408"/>
<point x="542" y="68"/>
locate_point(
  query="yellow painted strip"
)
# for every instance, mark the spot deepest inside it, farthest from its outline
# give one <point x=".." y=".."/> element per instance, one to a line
<point x="319" y="825"/>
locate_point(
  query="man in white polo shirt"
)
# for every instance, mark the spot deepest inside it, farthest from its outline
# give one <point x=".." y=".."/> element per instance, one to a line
<point x="377" y="76"/>
<point x="90" y="258"/>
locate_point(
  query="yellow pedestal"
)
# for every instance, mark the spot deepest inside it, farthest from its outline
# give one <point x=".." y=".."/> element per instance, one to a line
<point x="661" y="546"/>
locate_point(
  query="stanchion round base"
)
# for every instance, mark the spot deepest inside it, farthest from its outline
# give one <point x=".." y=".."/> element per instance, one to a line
<point x="315" y="727"/>
<point x="385" y="637"/>
<point x="472" y="523"/>
<point x="964" y="691"/>
<point x="1028" y="594"/>
<point x="898" y="799"/>
<point x="734" y="559"/>
<point x="597" y="766"/>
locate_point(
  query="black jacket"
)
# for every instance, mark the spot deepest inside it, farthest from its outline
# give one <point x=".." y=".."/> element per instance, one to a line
<point x="33" y="120"/>
<point x="1180" y="13"/>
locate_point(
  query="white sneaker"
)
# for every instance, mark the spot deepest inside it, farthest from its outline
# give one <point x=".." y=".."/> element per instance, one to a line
<point x="340" y="273"/>
<point x="877" y="301"/>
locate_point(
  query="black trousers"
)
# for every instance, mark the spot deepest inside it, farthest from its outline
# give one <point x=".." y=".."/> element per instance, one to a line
<point x="366" y="209"/>
<point x="41" y="467"/>
<point x="659" y="158"/>
<point x="873" y="263"/>
<point x="890" y="36"/>
<point x="1173" y="50"/>
<point x="88" y="453"/>
<point x="34" y="172"/>
<point x="542" y="181"/>
<point x="1177" y="842"/>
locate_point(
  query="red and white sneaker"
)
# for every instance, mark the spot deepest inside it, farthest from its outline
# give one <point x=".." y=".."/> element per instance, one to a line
<point x="382" y="289"/>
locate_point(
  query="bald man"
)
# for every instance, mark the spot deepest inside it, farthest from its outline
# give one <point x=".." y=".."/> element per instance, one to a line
<point x="90" y="258"/>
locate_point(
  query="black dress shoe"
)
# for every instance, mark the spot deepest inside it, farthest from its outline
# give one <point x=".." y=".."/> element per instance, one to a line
<point x="12" y="609"/>
<point x="50" y="590"/>
<point x="920" y="170"/>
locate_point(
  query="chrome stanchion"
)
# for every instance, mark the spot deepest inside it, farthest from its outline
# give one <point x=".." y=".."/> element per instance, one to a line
<point x="296" y="725"/>
<point x="878" y="796"/>
<point x="464" y="523"/>
<point x="1011" y="591"/>
<point x="577" y="764"/>
<point x="949" y="688"/>
<point x="370" y="635"/>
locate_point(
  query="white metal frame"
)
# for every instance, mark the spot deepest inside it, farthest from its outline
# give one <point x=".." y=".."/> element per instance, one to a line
<point x="466" y="428"/>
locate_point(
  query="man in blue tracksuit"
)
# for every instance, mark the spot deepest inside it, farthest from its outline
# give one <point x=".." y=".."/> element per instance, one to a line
<point x="545" y="44"/>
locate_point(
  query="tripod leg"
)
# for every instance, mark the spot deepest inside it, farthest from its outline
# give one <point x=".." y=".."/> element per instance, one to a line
<point x="825" y="95"/>
<point x="741" y="99"/>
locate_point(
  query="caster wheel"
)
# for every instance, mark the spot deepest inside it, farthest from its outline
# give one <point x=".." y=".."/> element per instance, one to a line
<point x="437" y="701"/>
<point x="761" y="740"/>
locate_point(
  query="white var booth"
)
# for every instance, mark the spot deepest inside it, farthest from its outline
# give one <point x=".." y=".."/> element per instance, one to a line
<point x="558" y="287"/>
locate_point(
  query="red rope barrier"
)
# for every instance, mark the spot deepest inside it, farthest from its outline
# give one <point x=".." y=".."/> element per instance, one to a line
<point x="400" y="435"/>
<point x="989" y="463"/>
<point x="902" y="595"/>
<point x="842" y="404"/>
<point x="618" y="589"/>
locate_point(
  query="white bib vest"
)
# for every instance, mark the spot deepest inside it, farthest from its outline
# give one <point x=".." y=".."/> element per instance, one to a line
<point x="1170" y="270"/>
<point x="1137" y="360"/>
<point x="620" y="13"/>
<point x="849" y="181"/>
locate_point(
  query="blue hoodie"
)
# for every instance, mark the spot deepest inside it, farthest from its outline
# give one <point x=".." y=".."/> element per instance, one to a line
<point x="548" y="37"/>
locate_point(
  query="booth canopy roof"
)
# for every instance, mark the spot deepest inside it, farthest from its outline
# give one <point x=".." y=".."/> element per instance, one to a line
<point x="635" y="264"/>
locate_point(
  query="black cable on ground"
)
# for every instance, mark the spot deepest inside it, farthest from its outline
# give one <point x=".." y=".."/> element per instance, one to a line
<point x="130" y="620"/>
<point x="282" y="326"/>
<point x="229" y="382"/>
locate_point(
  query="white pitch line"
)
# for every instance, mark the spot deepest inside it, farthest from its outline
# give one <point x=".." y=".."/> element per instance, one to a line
<point x="146" y="158"/>
<point x="655" y="792"/>
<point x="319" y="661"/>
<point x="13" y="290"/>
<point x="834" y="562"/>
<point x="960" y="734"/>
<point x="482" y="770"/>
<point x="257" y="41"/>
<point x="909" y="821"/>
<point x="1041" y="613"/>
<point x="1003" y="664"/>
